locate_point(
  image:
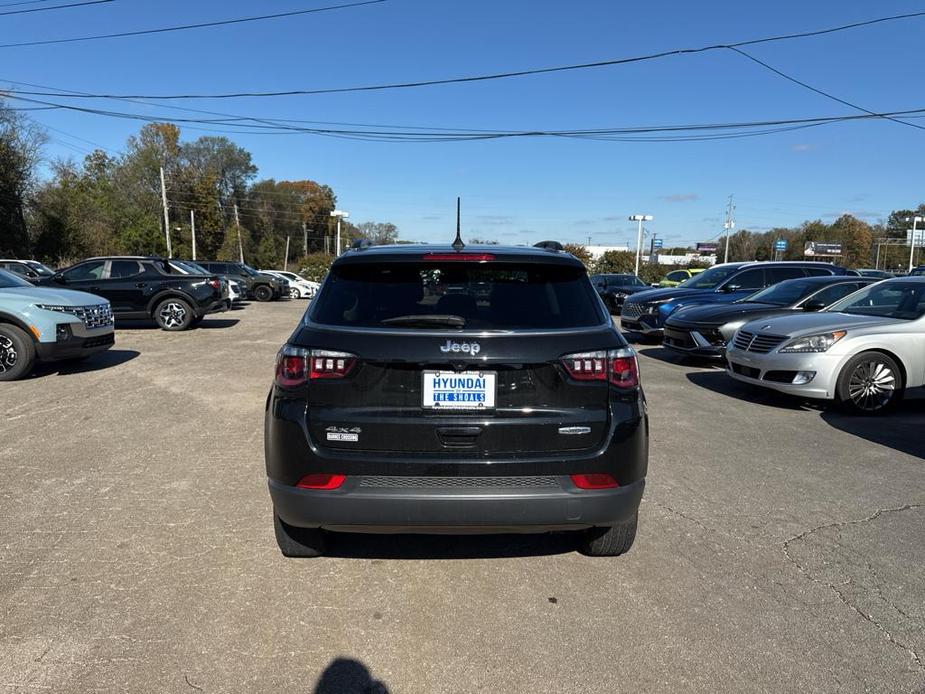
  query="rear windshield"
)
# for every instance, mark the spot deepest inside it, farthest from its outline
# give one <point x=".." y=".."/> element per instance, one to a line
<point x="479" y="296"/>
<point x="709" y="279"/>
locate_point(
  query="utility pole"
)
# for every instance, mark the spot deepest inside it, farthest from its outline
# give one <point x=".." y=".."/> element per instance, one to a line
<point x="237" y="223"/>
<point x="915" y="220"/>
<point x="286" y="259"/>
<point x="166" y="215"/>
<point x="728" y="226"/>
<point x="304" y="239"/>
<point x="192" y="226"/>
<point x="340" y="214"/>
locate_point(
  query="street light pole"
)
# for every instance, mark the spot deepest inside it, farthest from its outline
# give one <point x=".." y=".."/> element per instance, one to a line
<point x="915" y="220"/>
<point x="340" y="214"/>
<point x="639" y="218"/>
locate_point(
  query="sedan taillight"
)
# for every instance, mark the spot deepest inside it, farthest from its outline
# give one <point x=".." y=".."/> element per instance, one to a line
<point x="297" y="365"/>
<point x="618" y="366"/>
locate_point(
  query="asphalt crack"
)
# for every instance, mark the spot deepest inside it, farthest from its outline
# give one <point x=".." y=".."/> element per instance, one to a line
<point x="839" y="594"/>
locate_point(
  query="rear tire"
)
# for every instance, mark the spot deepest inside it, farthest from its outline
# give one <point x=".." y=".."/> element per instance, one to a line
<point x="17" y="353"/>
<point x="263" y="292"/>
<point x="174" y="315"/>
<point x="869" y="384"/>
<point x="298" y="542"/>
<point x="609" y="542"/>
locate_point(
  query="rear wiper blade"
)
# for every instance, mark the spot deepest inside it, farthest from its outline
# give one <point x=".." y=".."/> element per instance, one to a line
<point x="427" y="319"/>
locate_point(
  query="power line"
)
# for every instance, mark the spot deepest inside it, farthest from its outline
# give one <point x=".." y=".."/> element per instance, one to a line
<point x="698" y="131"/>
<point x="56" y="7"/>
<point x="817" y="90"/>
<point x="184" y="27"/>
<point x="473" y="78"/>
<point x="29" y="2"/>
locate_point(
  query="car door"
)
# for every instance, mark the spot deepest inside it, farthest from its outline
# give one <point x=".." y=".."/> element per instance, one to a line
<point x="84" y="277"/>
<point x="126" y="286"/>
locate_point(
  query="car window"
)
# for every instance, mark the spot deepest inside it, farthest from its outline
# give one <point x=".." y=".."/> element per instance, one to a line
<point x="830" y="295"/>
<point x="10" y="281"/>
<point x="783" y="294"/>
<point x="749" y="279"/>
<point x="494" y="296"/>
<point x="817" y="271"/>
<point x="779" y="274"/>
<point x="903" y="300"/>
<point x="677" y="276"/>
<point x="124" y="268"/>
<point x="17" y="268"/>
<point x="92" y="270"/>
<point x="711" y="278"/>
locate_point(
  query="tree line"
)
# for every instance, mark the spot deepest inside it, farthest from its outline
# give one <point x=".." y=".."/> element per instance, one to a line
<point x="110" y="204"/>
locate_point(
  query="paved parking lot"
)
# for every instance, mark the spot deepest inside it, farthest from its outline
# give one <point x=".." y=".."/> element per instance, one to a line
<point x="781" y="548"/>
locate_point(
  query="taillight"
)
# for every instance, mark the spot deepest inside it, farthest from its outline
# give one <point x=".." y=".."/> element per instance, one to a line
<point x="297" y="365"/>
<point x="460" y="257"/>
<point x="595" y="480"/>
<point x="321" y="481"/>
<point x="618" y="366"/>
<point x="215" y="284"/>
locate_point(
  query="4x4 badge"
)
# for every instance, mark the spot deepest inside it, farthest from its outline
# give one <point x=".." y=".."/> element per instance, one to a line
<point x="472" y="348"/>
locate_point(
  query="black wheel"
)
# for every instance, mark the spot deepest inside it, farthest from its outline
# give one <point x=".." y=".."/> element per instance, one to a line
<point x="17" y="353"/>
<point x="609" y="542"/>
<point x="174" y="314"/>
<point x="870" y="383"/>
<point x="298" y="542"/>
<point x="262" y="292"/>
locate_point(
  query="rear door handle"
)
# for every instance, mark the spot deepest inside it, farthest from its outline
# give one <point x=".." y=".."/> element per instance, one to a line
<point x="141" y="285"/>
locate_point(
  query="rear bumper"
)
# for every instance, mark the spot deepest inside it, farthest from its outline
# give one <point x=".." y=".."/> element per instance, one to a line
<point x="356" y="507"/>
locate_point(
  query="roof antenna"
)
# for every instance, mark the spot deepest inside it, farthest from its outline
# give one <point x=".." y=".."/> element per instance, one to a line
<point x="458" y="244"/>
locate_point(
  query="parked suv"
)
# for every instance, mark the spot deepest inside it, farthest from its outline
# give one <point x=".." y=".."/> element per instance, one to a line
<point x="259" y="286"/>
<point x="646" y="311"/>
<point x="40" y="324"/>
<point x="145" y="287"/>
<point x="509" y="405"/>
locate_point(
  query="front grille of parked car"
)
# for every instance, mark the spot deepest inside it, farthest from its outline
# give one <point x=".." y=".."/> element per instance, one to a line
<point x="97" y="316"/>
<point x="632" y="310"/>
<point x="752" y="342"/>
<point x="427" y="482"/>
<point x="679" y="338"/>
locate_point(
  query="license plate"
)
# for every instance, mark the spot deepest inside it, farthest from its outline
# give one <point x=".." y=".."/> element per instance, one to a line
<point x="452" y="390"/>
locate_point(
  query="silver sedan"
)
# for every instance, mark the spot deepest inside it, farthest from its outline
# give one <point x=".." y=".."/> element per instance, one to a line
<point x="865" y="352"/>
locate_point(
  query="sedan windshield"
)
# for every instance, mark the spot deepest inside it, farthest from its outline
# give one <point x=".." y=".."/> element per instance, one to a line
<point x="10" y="281"/>
<point x="42" y="270"/>
<point x="903" y="300"/>
<point x="709" y="279"/>
<point x="784" y="294"/>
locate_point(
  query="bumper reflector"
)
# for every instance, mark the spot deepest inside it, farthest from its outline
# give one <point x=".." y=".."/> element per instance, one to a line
<point x="595" y="480"/>
<point x="321" y="481"/>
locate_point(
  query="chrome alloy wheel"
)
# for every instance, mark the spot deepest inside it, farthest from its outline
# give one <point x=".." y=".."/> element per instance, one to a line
<point x="294" y="293"/>
<point x="172" y="314"/>
<point x="8" y="354"/>
<point x="872" y="385"/>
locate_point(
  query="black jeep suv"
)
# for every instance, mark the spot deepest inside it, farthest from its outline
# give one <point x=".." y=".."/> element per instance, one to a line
<point x="145" y="287"/>
<point x="260" y="286"/>
<point x="432" y="390"/>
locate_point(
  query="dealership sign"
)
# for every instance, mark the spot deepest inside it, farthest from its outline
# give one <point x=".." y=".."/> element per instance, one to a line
<point x="707" y="247"/>
<point x="815" y="248"/>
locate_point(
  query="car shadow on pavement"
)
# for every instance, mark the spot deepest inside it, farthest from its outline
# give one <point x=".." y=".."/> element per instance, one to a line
<point x="348" y="676"/>
<point x="482" y="546"/>
<point x="213" y="323"/>
<point x="719" y="382"/>
<point x="98" y="362"/>
<point x="668" y="356"/>
<point x="900" y="430"/>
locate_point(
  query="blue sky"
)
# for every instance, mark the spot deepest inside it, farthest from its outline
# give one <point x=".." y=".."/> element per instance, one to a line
<point x="521" y="190"/>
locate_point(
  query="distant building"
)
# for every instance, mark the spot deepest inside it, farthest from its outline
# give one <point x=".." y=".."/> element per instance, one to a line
<point x="685" y="259"/>
<point x="597" y="251"/>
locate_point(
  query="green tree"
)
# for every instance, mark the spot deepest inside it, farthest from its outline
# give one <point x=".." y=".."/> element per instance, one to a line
<point x="616" y="262"/>
<point x="315" y="266"/>
<point x="580" y="252"/>
<point x="20" y="149"/>
<point x="379" y="233"/>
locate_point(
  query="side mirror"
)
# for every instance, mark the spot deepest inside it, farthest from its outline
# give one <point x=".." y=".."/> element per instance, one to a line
<point x="729" y="288"/>
<point x="814" y="305"/>
<point x="59" y="278"/>
<point x="32" y="275"/>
